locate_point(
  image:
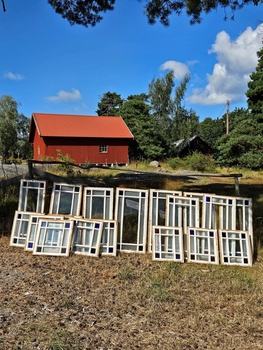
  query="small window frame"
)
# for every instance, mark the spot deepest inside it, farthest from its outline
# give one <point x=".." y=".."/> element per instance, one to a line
<point x="103" y="148"/>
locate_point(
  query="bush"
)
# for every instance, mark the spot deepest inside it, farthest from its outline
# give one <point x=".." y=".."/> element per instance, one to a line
<point x="200" y="162"/>
<point x="176" y="163"/>
<point x="195" y="161"/>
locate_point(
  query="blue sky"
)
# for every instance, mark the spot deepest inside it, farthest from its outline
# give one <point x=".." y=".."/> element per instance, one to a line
<point x="49" y="66"/>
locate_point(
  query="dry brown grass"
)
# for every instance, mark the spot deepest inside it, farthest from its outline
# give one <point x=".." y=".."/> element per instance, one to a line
<point x="131" y="301"/>
<point x="127" y="302"/>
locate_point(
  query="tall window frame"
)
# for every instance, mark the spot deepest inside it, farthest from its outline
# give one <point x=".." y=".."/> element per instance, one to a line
<point x="108" y="244"/>
<point x="157" y="210"/>
<point x="219" y="212"/>
<point x="66" y="199"/>
<point x="98" y="203"/>
<point x="131" y="212"/>
<point x="32" y="195"/>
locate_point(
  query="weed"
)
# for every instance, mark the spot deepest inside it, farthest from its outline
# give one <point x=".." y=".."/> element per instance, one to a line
<point x="126" y="275"/>
<point x="158" y="292"/>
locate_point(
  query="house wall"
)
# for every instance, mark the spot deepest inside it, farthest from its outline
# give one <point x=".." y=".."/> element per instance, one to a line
<point x="39" y="147"/>
<point x="83" y="150"/>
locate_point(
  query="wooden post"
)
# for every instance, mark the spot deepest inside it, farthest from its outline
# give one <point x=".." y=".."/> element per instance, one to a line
<point x="30" y="168"/>
<point x="237" y="190"/>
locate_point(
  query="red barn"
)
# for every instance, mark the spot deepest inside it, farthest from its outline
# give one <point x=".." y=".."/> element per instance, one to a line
<point x="86" y="139"/>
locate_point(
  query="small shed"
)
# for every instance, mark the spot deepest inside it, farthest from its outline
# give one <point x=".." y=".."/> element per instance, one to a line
<point x="185" y="147"/>
<point x="86" y="139"/>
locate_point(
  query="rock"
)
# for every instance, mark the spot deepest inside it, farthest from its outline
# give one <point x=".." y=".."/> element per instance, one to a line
<point x="154" y="163"/>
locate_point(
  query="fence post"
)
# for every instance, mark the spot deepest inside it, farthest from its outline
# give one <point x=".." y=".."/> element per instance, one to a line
<point x="30" y="168"/>
<point x="237" y="190"/>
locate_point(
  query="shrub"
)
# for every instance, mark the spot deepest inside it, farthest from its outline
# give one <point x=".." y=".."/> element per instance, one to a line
<point x="176" y="163"/>
<point x="200" y="162"/>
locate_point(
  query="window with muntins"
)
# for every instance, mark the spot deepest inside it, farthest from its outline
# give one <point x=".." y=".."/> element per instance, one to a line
<point x="103" y="149"/>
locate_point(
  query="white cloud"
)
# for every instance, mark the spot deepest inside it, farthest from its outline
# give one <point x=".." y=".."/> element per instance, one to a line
<point x="236" y="60"/>
<point x="13" y="76"/>
<point x="66" y="96"/>
<point x="179" y="69"/>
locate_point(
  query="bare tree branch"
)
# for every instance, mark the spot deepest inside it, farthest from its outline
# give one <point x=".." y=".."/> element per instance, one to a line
<point x="3" y="3"/>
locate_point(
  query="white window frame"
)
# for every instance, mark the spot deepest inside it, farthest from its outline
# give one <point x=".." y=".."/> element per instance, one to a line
<point x="127" y="198"/>
<point x="182" y="212"/>
<point x="156" y="197"/>
<point x="244" y="218"/>
<point x="202" y="246"/>
<point x="33" y="226"/>
<point x="108" y="244"/>
<point x="229" y="242"/>
<point x="39" y="190"/>
<point x="87" y="237"/>
<point x="19" y="228"/>
<point x="90" y="194"/>
<point x="53" y="237"/>
<point x="63" y="188"/>
<point x="168" y="243"/>
<point x="221" y="210"/>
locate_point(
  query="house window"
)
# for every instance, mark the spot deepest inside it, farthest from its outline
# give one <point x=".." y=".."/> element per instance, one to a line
<point x="103" y="149"/>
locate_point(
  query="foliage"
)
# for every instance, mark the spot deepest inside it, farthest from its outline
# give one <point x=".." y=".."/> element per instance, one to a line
<point x="13" y="130"/>
<point x="173" y="120"/>
<point x="176" y="163"/>
<point x="89" y="13"/>
<point x="200" y="162"/>
<point x="85" y="12"/>
<point x="210" y="130"/>
<point x="109" y="104"/>
<point x="195" y="161"/>
<point x="243" y="146"/>
<point x="146" y="144"/>
<point x="68" y="168"/>
<point x="8" y="138"/>
<point x="255" y="87"/>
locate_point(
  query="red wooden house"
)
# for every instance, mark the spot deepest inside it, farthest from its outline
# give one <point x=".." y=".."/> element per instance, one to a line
<point x="86" y="139"/>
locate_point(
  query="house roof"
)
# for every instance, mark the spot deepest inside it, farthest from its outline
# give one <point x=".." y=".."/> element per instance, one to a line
<point x="65" y="125"/>
<point x="194" y="143"/>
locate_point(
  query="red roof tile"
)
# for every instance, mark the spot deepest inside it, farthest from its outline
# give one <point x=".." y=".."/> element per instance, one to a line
<point x="64" y="125"/>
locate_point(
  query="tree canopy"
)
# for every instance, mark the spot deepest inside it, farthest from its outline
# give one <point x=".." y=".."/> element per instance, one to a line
<point x="13" y="130"/>
<point x="89" y="12"/>
<point x="255" y="87"/>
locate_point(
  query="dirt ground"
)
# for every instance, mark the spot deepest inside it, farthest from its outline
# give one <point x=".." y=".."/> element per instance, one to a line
<point x="127" y="302"/>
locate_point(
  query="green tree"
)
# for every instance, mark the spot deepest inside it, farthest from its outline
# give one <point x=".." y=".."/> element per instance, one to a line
<point x="14" y="129"/>
<point x="136" y="114"/>
<point x="89" y="13"/>
<point x="8" y="126"/>
<point x="109" y="104"/>
<point x="243" y="146"/>
<point x="255" y="87"/>
<point x="210" y="130"/>
<point x="24" y="148"/>
<point x="8" y="139"/>
<point x="184" y="123"/>
<point x="160" y="99"/>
